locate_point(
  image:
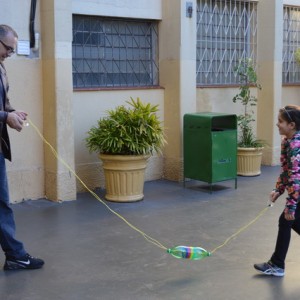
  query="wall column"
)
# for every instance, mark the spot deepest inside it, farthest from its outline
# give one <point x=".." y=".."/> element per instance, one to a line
<point x="270" y="43"/>
<point x="178" y="77"/>
<point x="56" y="27"/>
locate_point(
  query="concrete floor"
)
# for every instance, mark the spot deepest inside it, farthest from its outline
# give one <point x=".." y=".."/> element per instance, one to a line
<point x="92" y="254"/>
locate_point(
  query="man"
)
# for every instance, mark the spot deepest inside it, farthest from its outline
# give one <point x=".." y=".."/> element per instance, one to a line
<point x="16" y="256"/>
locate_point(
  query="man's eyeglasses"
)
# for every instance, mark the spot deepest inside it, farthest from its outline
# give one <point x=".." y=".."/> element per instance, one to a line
<point x="8" y="48"/>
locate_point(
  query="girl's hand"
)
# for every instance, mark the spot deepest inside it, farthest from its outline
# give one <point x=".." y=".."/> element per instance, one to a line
<point x="274" y="196"/>
<point x="289" y="217"/>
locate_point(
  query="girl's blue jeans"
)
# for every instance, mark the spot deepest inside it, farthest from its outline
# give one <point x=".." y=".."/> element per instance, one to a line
<point x="9" y="244"/>
<point x="284" y="236"/>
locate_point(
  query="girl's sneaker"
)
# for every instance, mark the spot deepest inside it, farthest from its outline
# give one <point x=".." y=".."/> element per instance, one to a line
<point x="269" y="268"/>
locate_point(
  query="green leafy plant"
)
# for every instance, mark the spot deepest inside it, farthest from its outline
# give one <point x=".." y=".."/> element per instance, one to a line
<point x="297" y="56"/>
<point x="131" y="130"/>
<point x="247" y="78"/>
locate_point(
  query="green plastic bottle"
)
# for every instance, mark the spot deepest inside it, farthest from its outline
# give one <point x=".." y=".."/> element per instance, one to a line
<point x="193" y="253"/>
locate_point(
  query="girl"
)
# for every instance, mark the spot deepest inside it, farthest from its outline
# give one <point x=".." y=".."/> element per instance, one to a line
<point x="289" y="179"/>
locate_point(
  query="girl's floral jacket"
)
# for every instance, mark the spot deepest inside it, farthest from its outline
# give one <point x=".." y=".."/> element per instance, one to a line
<point x="289" y="178"/>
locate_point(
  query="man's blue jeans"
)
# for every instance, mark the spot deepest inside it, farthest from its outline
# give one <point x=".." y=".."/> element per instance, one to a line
<point x="11" y="247"/>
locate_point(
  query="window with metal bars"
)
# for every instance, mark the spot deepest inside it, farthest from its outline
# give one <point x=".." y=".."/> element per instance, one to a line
<point x="291" y="42"/>
<point x="109" y="52"/>
<point x="226" y="34"/>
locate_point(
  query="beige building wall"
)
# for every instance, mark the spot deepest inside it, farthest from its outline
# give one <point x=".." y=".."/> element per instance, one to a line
<point x="41" y="85"/>
<point x="143" y="9"/>
<point x="290" y="95"/>
<point x="178" y="77"/>
<point x="26" y="171"/>
<point x="56" y="23"/>
<point x="273" y="95"/>
<point x="270" y="49"/>
<point x="89" y="106"/>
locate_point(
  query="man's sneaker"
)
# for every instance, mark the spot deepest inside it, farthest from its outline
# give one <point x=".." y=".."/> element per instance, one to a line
<point x="25" y="262"/>
<point x="269" y="268"/>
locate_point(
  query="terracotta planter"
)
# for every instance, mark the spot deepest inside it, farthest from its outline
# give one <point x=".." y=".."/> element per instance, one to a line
<point x="124" y="176"/>
<point x="249" y="161"/>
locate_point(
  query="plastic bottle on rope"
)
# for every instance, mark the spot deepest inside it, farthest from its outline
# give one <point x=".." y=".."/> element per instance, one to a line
<point x="193" y="253"/>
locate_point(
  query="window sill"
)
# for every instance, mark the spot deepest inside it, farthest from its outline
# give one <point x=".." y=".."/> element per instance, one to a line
<point x="117" y="88"/>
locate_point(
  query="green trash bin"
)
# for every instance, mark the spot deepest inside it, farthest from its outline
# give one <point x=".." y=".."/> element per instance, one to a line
<point x="210" y="147"/>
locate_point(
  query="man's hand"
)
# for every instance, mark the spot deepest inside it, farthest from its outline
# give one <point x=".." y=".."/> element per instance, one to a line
<point x="15" y="120"/>
<point x="21" y="114"/>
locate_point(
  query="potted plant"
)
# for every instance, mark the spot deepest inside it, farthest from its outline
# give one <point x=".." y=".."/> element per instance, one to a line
<point x="249" y="147"/>
<point x="125" y="139"/>
<point x="297" y="56"/>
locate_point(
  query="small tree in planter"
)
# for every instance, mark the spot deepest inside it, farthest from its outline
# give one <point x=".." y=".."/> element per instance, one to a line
<point x="247" y="79"/>
<point x="297" y="56"/>
<point x="127" y="135"/>
<point x="246" y="136"/>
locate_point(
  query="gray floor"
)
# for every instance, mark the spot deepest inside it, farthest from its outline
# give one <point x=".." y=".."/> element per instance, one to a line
<point x="92" y="254"/>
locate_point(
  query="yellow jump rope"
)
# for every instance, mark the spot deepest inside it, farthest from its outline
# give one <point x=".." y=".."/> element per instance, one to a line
<point x="194" y="253"/>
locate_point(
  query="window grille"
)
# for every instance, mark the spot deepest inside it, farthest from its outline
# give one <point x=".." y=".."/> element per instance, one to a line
<point x="226" y="34"/>
<point x="291" y="42"/>
<point x="111" y="52"/>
